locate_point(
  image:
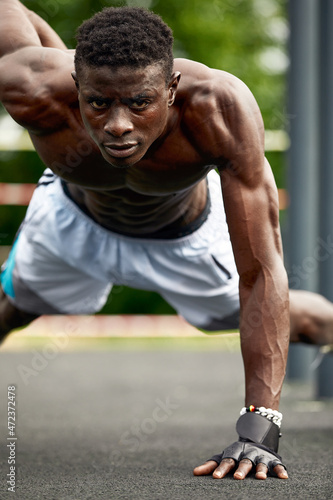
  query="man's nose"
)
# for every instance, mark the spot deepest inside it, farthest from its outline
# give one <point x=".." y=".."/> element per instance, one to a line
<point x="118" y="122"/>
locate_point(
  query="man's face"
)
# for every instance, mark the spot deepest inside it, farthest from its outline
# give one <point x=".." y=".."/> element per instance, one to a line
<point x="124" y="110"/>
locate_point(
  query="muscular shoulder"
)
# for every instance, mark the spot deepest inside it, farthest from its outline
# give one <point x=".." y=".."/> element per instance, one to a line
<point x="36" y="87"/>
<point x="219" y="111"/>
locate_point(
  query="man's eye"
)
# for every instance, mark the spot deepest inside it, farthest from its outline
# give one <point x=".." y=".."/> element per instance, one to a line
<point x="98" y="104"/>
<point x="139" y="104"/>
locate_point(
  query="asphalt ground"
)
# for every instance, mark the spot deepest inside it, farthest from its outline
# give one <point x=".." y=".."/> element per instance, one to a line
<point x="131" y="421"/>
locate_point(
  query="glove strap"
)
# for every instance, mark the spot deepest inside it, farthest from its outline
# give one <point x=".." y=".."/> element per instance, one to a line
<point x="256" y="428"/>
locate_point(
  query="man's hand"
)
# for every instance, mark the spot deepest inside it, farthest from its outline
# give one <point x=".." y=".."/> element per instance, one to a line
<point x="257" y="447"/>
<point x="263" y="461"/>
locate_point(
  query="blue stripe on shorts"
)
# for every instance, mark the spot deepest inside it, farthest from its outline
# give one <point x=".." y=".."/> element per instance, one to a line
<point x="7" y="273"/>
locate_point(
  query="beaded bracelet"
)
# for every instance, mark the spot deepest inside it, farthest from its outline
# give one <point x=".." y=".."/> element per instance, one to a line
<point x="273" y="415"/>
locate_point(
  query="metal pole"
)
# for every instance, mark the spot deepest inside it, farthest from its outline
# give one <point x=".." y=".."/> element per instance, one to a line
<point x="325" y="242"/>
<point x="303" y="160"/>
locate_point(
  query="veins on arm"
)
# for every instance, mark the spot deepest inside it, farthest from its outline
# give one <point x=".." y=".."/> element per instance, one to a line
<point x="251" y="204"/>
<point x="252" y="214"/>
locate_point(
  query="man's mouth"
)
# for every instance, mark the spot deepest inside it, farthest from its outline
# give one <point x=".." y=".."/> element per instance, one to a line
<point x="120" y="150"/>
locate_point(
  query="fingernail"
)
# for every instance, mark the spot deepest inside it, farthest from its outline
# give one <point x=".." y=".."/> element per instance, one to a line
<point x="218" y="474"/>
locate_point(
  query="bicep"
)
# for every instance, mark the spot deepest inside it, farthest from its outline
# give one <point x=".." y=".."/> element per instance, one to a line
<point x="249" y="189"/>
<point x="252" y="210"/>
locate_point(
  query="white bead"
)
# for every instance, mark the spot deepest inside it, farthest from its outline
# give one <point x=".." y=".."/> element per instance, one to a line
<point x="272" y="415"/>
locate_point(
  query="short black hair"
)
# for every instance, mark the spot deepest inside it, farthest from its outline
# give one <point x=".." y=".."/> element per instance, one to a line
<point x="125" y="36"/>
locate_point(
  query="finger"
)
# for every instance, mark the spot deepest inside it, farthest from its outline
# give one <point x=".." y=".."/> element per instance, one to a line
<point x="244" y="467"/>
<point x="205" y="469"/>
<point x="281" y="472"/>
<point x="224" y="468"/>
<point x="261" y="471"/>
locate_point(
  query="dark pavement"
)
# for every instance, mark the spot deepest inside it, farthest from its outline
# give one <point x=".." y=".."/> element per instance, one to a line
<point x="132" y="424"/>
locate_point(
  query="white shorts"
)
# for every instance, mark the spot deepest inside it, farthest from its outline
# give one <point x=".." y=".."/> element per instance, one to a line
<point x="63" y="262"/>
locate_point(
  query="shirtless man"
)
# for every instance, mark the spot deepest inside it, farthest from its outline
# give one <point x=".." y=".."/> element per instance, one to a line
<point x="132" y="140"/>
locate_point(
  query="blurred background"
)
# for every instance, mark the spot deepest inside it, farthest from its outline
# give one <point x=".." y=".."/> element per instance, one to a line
<point x="283" y="51"/>
<point x="248" y="38"/>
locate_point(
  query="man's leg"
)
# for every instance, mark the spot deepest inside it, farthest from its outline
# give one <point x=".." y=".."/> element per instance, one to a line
<point x="11" y="317"/>
<point x="311" y="318"/>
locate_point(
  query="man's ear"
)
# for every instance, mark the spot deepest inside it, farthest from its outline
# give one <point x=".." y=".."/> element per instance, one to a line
<point x="173" y="86"/>
<point x="75" y="79"/>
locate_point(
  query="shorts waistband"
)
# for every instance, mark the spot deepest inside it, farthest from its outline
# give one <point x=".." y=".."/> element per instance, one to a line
<point x="166" y="233"/>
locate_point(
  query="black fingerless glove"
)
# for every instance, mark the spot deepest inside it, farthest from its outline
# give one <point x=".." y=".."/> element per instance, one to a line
<point x="258" y="442"/>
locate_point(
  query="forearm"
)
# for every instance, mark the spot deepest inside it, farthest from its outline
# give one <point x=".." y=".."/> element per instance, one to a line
<point x="264" y="333"/>
<point x="19" y="28"/>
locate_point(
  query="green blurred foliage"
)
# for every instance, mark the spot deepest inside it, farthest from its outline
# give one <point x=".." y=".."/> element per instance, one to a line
<point x="124" y="300"/>
<point x="20" y="166"/>
<point x="233" y="35"/>
<point x="244" y="37"/>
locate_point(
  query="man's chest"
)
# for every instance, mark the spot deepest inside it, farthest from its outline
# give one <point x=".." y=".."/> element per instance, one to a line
<point x="167" y="168"/>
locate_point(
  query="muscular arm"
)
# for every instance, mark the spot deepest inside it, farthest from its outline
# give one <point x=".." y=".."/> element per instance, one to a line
<point x="252" y="213"/>
<point x="20" y="27"/>
<point x="251" y="205"/>
<point x="36" y="86"/>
